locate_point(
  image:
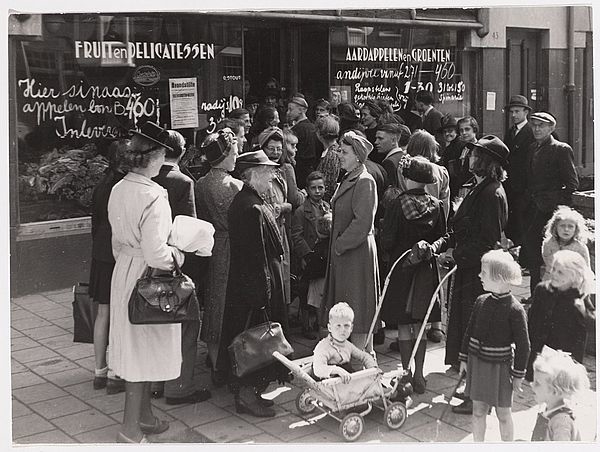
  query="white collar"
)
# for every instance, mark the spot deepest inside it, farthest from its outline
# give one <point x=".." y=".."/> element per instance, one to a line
<point x="521" y="125"/>
<point x="426" y="112"/>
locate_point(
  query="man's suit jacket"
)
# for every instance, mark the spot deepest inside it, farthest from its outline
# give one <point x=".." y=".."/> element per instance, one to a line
<point x="432" y="122"/>
<point x="180" y="189"/>
<point x="518" y="145"/>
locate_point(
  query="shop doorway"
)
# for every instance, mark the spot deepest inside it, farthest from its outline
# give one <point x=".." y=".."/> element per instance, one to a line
<point x="523" y="66"/>
<point x="291" y="57"/>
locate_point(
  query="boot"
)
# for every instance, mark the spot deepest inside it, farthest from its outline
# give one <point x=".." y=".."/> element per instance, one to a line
<point x="246" y="403"/>
<point x="419" y="382"/>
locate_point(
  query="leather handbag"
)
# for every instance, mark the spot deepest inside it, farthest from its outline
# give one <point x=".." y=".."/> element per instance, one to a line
<point x="161" y="297"/>
<point x="253" y="348"/>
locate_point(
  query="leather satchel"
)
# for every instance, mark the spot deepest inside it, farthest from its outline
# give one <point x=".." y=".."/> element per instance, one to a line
<point x="253" y="348"/>
<point x="161" y="297"/>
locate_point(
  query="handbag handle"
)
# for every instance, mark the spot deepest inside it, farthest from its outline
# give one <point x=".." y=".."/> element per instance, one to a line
<point x="252" y="312"/>
<point x="177" y="269"/>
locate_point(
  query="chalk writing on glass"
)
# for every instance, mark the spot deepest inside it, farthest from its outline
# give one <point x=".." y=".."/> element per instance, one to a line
<point x="218" y="110"/>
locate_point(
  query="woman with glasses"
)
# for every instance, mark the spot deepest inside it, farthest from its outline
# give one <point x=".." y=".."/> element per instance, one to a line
<point x="352" y="274"/>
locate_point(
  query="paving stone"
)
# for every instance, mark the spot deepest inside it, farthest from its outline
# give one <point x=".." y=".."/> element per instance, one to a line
<point x="287" y="427"/>
<point x="84" y="421"/>
<point x="45" y="332"/>
<point x="29" y="425"/>
<point x="43" y="306"/>
<point x="58" y="342"/>
<point x="431" y="433"/>
<point x="51" y="437"/>
<point x="29" y="300"/>
<point x="179" y="433"/>
<point x="22" y="343"/>
<point x="322" y="436"/>
<point x="78" y="351"/>
<point x="199" y="413"/>
<point x="261" y="439"/>
<point x="84" y="391"/>
<point x="14" y="333"/>
<point x="228" y="430"/>
<point x="60" y="312"/>
<point x="24" y="379"/>
<point x="16" y="367"/>
<point x="101" y="435"/>
<point x="64" y="296"/>
<point x="440" y="383"/>
<point x="19" y="409"/>
<point x="34" y="354"/>
<point x="64" y="322"/>
<point x="20" y="314"/>
<point x="108" y="404"/>
<point x="61" y="406"/>
<point x="38" y="393"/>
<point x="87" y="363"/>
<point x="26" y="324"/>
<point x="52" y="365"/>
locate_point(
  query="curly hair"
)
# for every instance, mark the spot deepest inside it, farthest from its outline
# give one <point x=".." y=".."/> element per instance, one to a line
<point x="486" y="166"/>
<point x="341" y="310"/>
<point x="565" y="213"/>
<point x="563" y="375"/>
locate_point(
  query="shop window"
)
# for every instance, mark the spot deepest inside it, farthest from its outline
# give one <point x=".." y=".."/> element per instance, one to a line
<point x="394" y="63"/>
<point x="91" y="78"/>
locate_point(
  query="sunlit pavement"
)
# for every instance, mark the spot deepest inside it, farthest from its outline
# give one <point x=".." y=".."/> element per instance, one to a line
<point x="53" y="400"/>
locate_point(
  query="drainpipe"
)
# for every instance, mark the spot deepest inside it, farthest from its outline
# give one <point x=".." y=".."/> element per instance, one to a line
<point x="570" y="87"/>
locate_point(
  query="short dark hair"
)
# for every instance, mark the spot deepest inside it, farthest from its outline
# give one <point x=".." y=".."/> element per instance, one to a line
<point x="238" y="113"/>
<point x="391" y="127"/>
<point x="315" y="175"/>
<point x="472" y="122"/>
<point x="234" y="124"/>
<point x="424" y="96"/>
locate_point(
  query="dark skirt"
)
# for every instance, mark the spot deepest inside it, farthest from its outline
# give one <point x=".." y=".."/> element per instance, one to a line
<point x="408" y="294"/>
<point x="100" y="276"/>
<point x="489" y="382"/>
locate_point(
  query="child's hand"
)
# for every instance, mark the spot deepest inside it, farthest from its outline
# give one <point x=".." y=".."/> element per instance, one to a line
<point x="516" y="384"/>
<point x="342" y="373"/>
<point x="463" y="368"/>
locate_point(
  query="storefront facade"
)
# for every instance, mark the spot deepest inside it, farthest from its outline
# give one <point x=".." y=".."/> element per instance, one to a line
<point x="77" y="81"/>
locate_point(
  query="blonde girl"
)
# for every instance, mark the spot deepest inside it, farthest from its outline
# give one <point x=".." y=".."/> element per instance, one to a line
<point x="498" y="320"/>
<point x="566" y="230"/>
<point x="561" y="309"/>
<point x="557" y="379"/>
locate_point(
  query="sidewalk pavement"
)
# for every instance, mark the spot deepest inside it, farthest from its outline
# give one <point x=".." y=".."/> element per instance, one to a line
<point x="53" y="401"/>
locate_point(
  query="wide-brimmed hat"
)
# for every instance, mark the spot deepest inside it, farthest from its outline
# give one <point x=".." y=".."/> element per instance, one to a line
<point x="544" y="117"/>
<point x="447" y="122"/>
<point x="153" y="132"/>
<point x="494" y="147"/>
<point x="252" y="159"/>
<point x="269" y="132"/>
<point x="216" y="150"/>
<point x="518" y="101"/>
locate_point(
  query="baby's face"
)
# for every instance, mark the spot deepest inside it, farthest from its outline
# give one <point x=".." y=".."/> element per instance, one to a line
<point x="340" y="328"/>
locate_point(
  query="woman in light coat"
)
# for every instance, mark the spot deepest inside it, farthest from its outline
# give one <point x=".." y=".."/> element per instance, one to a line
<point x="352" y="273"/>
<point x="140" y="218"/>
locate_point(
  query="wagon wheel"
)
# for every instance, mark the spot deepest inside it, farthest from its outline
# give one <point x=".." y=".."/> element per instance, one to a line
<point x="304" y="402"/>
<point x="395" y="415"/>
<point x="352" y="426"/>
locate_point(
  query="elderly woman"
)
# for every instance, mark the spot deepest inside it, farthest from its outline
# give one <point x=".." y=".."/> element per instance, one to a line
<point x="352" y="274"/>
<point x="477" y="228"/>
<point x="255" y="278"/>
<point x="140" y="218"/>
<point x="214" y="194"/>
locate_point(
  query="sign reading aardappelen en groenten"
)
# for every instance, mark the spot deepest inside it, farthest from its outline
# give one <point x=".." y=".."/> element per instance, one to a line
<point x="183" y="94"/>
<point x="396" y="74"/>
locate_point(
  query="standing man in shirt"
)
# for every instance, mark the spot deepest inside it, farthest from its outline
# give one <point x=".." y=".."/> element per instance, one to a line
<point x="518" y="138"/>
<point x="431" y="118"/>
<point x="552" y="179"/>
<point x="308" y="144"/>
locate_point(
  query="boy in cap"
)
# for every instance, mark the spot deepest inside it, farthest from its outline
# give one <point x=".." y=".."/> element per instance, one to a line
<point x="552" y="179"/>
<point x="308" y="144"/>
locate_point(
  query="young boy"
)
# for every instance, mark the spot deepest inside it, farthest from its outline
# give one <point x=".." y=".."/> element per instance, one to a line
<point x="333" y="354"/>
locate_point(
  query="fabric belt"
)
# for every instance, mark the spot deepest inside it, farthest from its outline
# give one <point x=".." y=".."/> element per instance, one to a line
<point x="131" y="251"/>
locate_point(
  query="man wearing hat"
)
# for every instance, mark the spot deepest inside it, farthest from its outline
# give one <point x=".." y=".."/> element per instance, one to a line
<point x="308" y="145"/>
<point x="552" y="179"/>
<point x="518" y="138"/>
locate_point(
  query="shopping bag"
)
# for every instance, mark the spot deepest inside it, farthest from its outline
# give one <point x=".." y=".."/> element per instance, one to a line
<point x="84" y="314"/>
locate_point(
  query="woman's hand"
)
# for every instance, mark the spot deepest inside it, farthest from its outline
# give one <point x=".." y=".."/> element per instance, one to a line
<point x="178" y="255"/>
<point x="516" y="384"/>
<point x="463" y="368"/>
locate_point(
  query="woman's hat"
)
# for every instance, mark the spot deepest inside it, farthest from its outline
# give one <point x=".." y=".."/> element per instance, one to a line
<point x="217" y="149"/>
<point x="494" y="147"/>
<point x="252" y="159"/>
<point x="518" y="101"/>
<point x="153" y="132"/>
<point x="419" y="170"/>
<point x="447" y="122"/>
<point x="269" y="132"/>
<point x="360" y="145"/>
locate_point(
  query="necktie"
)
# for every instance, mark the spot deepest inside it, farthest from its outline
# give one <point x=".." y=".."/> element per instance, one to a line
<point x="513" y="131"/>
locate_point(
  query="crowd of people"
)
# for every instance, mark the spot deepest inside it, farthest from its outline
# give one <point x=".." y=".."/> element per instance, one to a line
<point x="319" y="212"/>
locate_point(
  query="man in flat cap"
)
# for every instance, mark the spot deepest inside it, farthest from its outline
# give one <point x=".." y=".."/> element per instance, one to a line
<point x="518" y="138"/>
<point x="552" y="179"/>
<point x="308" y="144"/>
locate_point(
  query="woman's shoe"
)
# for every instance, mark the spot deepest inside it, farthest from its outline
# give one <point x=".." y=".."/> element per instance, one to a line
<point x="254" y="409"/>
<point x="159" y="426"/>
<point x="114" y="386"/>
<point x="435" y="335"/>
<point x="121" y="438"/>
<point x="100" y="382"/>
<point x="419" y="385"/>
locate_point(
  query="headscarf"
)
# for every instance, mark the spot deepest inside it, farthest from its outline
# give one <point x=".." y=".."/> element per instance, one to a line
<point x="360" y="145"/>
<point x="266" y="134"/>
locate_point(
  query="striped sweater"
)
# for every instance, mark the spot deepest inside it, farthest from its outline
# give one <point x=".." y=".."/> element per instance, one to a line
<point x="497" y="322"/>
